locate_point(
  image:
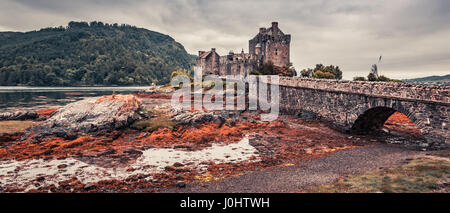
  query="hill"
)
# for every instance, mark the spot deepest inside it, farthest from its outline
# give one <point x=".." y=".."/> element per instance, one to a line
<point x="436" y="79"/>
<point x="93" y="53"/>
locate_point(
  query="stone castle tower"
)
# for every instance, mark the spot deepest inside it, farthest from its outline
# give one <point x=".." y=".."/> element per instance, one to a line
<point x="268" y="45"/>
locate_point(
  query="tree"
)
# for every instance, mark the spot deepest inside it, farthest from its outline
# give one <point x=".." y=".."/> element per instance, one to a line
<point x="321" y="71"/>
<point x="180" y="72"/>
<point x="359" y="78"/>
<point x="325" y="75"/>
<point x="371" y="77"/>
<point x="374" y="70"/>
<point x="307" y="73"/>
<point x="90" y="54"/>
<point x="268" y="68"/>
<point x="383" y="78"/>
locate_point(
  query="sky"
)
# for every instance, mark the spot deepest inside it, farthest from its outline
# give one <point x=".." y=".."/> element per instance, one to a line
<point x="413" y="36"/>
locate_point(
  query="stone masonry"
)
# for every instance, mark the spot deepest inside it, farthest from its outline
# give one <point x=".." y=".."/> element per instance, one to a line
<point x="364" y="106"/>
<point x="268" y="45"/>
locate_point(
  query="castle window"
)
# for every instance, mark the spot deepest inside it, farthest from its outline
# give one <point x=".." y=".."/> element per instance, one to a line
<point x="276" y="51"/>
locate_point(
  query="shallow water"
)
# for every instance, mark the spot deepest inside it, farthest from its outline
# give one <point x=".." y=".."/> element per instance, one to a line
<point x="28" y="97"/>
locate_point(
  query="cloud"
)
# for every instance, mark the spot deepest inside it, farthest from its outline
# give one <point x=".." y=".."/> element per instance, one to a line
<point x="410" y="34"/>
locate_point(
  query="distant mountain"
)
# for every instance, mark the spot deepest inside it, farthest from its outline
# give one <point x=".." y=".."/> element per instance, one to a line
<point x="437" y="79"/>
<point x="90" y="54"/>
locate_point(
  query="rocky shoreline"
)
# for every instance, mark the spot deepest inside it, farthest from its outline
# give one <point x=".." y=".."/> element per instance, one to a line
<point x="138" y="143"/>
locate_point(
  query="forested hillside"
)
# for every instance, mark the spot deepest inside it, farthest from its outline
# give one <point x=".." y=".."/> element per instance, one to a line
<point x="89" y="54"/>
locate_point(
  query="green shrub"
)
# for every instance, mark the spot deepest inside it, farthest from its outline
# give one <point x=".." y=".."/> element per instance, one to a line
<point x="358" y="78"/>
<point x="153" y="124"/>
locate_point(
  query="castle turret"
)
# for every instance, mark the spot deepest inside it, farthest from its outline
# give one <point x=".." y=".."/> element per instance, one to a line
<point x="274" y="47"/>
<point x="275" y="28"/>
<point x="262" y="30"/>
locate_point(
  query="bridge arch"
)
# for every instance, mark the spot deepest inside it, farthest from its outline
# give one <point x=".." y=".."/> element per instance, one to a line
<point x="373" y="119"/>
<point x="365" y="106"/>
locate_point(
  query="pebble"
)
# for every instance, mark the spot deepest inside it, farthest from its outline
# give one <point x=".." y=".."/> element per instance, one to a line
<point x="181" y="184"/>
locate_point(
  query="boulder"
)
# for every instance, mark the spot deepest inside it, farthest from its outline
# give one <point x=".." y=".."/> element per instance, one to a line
<point x="192" y="118"/>
<point x="91" y="114"/>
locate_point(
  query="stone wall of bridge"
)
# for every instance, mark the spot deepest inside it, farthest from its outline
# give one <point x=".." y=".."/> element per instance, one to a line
<point x="365" y="106"/>
<point x="429" y="92"/>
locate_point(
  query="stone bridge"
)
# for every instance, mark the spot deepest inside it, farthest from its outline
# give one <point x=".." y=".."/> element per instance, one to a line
<point x="357" y="106"/>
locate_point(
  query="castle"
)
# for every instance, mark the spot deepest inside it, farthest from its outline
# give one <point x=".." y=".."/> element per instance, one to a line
<point x="268" y="45"/>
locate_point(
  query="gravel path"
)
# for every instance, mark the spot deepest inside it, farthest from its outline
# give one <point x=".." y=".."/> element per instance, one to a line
<point x="315" y="172"/>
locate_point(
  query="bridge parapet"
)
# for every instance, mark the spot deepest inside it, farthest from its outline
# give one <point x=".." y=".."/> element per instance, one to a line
<point x="364" y="107"/>
<point x="413" y="91"/>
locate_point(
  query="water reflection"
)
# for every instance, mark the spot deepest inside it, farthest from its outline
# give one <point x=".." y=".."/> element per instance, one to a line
<point x="13" y="97"/>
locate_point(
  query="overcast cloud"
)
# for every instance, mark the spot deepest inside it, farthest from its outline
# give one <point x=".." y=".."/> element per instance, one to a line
<point x="412" y="35"/>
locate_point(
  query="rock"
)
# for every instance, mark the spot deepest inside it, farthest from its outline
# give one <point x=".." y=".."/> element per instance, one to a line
<point x="191" y="118"/>
<point x="423" y="145"/>
<point x="62" y="166"/>
<point x="105" y="113"/>
<point x="133" y="152"/>
<point x="183" y="146"/>
<point x="107" y="152"/>
<point x="307" y="115"/>
<point x="5" y="137"/>
<point x="19" y="115"/>
<point x="177" y="164"/>
<point x="169" y="168"/>
<point x="89" y="186"/>
<point x="40" y="179"/>
<point x="181" y="184"/>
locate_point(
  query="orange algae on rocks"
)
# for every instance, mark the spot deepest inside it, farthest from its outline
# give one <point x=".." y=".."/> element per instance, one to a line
<point x="46" y="113"/>
<point x="201" y="135"/>
<point x="198" y="137"/>
<point x="131" y="101"/>
<point x="401" y="123"/>
<point x="78" y="142"/>
<point x="152" y="96"/>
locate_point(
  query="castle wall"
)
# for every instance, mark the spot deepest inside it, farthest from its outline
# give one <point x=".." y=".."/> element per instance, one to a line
<point x="278" y="53"/>
<point x="235" y="64"/>
<point x="210" y="64"/>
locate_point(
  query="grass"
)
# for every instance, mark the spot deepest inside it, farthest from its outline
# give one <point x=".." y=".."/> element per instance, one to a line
<point x="153" y="124"/>
<point x="15" y="126"/>
<point x="418" y="176"/>
<point x="442" y="153"/>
